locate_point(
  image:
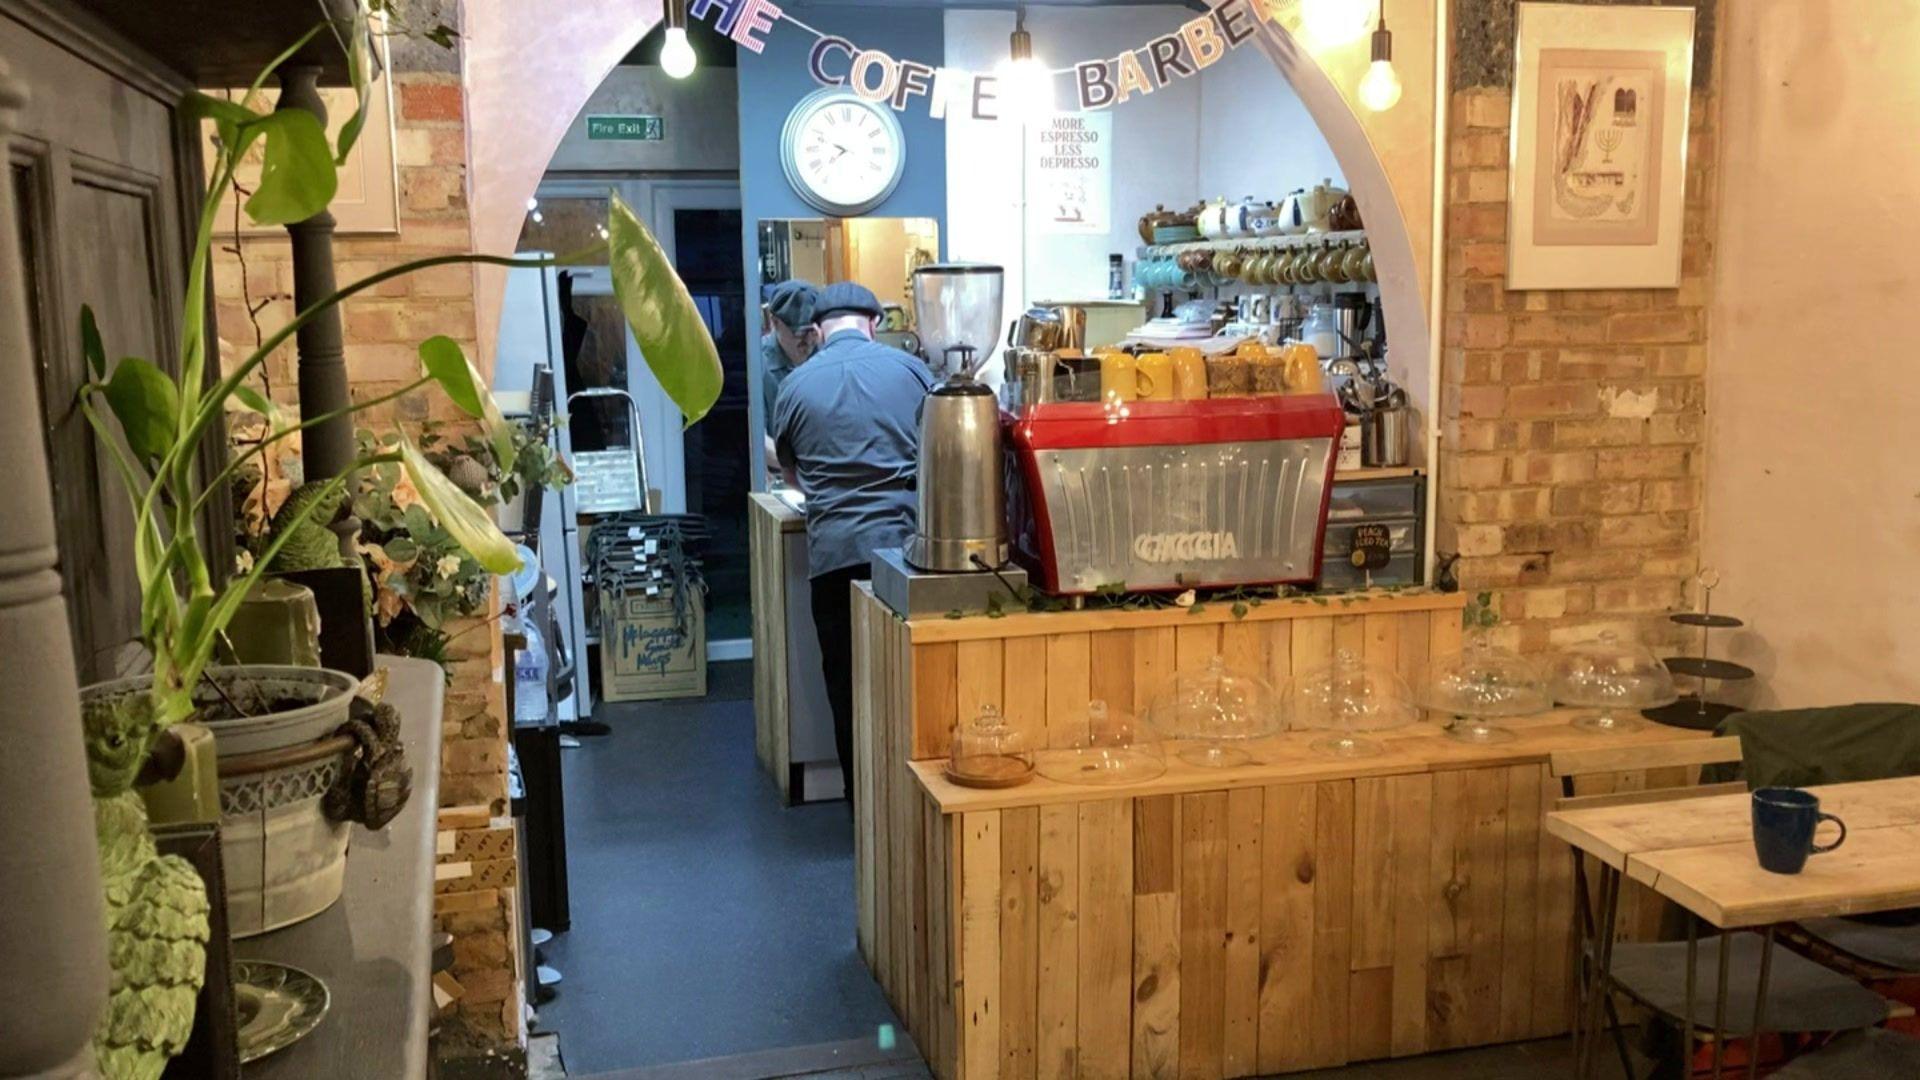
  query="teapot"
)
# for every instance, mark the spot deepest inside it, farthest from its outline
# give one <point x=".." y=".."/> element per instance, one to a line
<point x="1158" y="217"/>
<point x="1246" y="217"/>
<point x="1344" y="216"/>
<point x="1287" y="219"/>
<point x="1317" y="203"/>
<point x="1213" y="219"/>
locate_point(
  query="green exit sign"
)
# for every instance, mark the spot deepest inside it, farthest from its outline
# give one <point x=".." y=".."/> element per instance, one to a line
<point x="638" y="128"/>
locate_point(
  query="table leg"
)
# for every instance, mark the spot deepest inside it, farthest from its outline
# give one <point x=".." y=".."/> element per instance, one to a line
<point x="1720" y="1012"/>
<point x="1686" y="1013"/>
<point x="1760" y="1003"/>
<point x="1603" y="968"/>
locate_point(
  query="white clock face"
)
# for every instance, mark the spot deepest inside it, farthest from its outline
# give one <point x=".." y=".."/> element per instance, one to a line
<point x="845" y="153"/>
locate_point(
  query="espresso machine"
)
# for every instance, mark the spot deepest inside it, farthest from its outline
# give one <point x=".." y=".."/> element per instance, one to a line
<point x="960" y="531"/>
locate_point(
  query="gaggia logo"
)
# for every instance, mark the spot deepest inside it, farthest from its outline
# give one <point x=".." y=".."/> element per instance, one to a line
<point x="1185" y="547"/>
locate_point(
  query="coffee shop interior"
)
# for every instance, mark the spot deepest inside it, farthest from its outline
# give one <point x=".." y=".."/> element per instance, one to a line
<point x="1350" y="575"/>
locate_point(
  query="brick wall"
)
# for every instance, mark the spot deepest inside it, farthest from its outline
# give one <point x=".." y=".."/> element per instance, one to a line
<point x="474" y="891"/>
<point x="1571" y="421"/>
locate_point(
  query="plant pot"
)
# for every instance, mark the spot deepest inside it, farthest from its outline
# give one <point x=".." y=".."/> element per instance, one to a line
<point x="284" y="860"/>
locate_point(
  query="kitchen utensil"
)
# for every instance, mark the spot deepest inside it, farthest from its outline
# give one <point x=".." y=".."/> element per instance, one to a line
<point x="1319" y="330"/>
<point x="275" y="1006"/>
<point x="1153" y="377"/>
<point x="1346" y="699"/>
<point x="1784" y="821"/>
<point x="1217" y="710"/>
<point x="1119" y="378"/>
<point x="1331" y="265"/>
<point x="988" y="752"/>
<point x="1317" y="202"/>
<point x="1288" y="217"/>
<point x="1213" y="220"/>
<point x="1227" y="264"/>
<point x="1189" y="373"/>
<point x="1245" y="217"/>
<point x="1157" y="218"/>
<point x="1478" y="685"/>
<point x="1344" y="215"/>
<point x="1350" y="315"/>
<point x="1609" y="675"/>
<point x="961" y="491"/>
<point x="1384" y="436"/>
<point x="1053" y="328"/>
<point x="1353" y="262"/>
<point x="1301" y="372"/>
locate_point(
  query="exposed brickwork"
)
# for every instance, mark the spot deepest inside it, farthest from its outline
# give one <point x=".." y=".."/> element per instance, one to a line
<point x="383" y="328"/>
<point x="1571" y="422"/>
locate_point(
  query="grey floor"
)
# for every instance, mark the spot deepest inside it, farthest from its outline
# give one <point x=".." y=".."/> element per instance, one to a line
<point x="708" y="920"/>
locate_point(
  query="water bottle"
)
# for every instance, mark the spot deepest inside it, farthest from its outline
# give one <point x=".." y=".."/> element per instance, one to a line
<point x="530" y="679"/>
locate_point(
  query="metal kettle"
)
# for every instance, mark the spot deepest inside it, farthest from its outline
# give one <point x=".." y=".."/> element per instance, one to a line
<point x="1049" y="329"/>
<point x="962" y="496"/>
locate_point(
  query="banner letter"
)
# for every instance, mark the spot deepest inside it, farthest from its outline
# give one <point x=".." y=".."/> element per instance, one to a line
<point x="1202" y="43"/>
<point x="729" y="13"/>
<point x="985" y="94"/>
<point x="757" y="17"/>
<point x="1132" y="79"/>
<point x="866" y="62"/>
<point x="1231" y="18"/>
<point x="1163" y="53"/>
<point x="816" y="59"/>
<point x="915" y="78"/>
<point x="1095" y="84"/>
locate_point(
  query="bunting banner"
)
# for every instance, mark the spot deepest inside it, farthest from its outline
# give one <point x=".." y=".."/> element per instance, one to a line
<point x="1097" y="84"/>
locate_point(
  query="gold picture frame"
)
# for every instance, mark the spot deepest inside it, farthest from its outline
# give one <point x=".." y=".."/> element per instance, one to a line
<point x="1597" y="160"/>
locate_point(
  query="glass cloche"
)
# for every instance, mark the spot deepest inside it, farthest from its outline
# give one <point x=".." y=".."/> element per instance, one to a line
<point x="1345" y="699"/>
<point x="1218" y="709"/>
<point x="989" y="753"/>
<point x="1479" y="684"/>
<point x="1111" y="752"/>
<point x="1608" y="675"/>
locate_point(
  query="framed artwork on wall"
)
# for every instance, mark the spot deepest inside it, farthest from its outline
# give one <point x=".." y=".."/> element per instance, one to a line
<point x="1597" y="157"/>
<point x="368" y="201"/>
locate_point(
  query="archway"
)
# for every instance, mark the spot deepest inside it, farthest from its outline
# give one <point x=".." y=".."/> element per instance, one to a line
<point x="520" y="100"/>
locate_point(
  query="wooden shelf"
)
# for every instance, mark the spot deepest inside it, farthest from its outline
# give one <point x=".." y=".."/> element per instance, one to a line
<point x="218" y="43"/>
<point x="1286" y="758"/>
<point x="1353" y="476"/>
<point x="1254" y="243"/>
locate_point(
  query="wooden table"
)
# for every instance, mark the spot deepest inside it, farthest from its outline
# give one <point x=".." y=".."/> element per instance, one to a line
<point x="1699" y="854"/>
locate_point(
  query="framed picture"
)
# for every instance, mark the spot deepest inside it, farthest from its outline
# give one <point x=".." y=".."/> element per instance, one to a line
<point x="368" y="200"/>
<point x="1597" y="170"/>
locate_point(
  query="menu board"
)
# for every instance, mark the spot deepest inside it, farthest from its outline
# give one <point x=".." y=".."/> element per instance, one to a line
<point x="1069" y="165"/>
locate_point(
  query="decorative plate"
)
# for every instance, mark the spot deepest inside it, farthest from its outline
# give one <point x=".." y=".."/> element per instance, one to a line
<point x="277" y="1006"/>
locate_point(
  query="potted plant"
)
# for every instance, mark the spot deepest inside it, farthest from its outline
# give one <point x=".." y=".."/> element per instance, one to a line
<point x="152" y="426"/>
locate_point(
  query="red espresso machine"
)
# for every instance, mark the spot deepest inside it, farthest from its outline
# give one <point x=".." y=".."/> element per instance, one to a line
<point x="1171" y="495"/>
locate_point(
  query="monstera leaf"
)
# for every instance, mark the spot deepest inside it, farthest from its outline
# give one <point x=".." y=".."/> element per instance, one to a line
<point x="672" y="336"/>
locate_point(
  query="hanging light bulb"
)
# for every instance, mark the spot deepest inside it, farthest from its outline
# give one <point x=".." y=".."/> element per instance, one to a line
<point x="1380" y="87"/>
<point x="1334" y="22"/>
<point x="1029" y="85"/>
<point x="676" y="52"/>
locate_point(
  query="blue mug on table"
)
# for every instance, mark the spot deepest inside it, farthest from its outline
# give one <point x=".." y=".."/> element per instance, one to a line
<point x="1784" y="820"/>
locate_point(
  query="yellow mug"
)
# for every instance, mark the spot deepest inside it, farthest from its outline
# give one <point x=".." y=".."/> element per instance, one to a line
<point x="1153" y="376"/>
<point x="1189" y="373"/>
<point x="1303" y="374"/>
<point x="1118" y="377"/>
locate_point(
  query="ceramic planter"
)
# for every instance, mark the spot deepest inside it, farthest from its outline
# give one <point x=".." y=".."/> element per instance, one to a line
<point x="284" y="860"/>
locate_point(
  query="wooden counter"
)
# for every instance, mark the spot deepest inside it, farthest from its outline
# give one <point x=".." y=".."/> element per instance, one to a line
<point x="770" y="520"/>
<point x="1295" y="912"/>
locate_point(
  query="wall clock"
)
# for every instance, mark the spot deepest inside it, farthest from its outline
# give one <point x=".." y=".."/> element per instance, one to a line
<point x="842" y="153"/>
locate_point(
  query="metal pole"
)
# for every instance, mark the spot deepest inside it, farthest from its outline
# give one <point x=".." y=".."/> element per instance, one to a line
<point x="54" y="931"/>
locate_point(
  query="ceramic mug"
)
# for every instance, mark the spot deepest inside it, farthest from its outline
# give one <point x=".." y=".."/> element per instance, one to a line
<point x="1784" y="820"/>
<point x="1300" y="364"/>
<point x="1153" y="377"/>
<point x="1119" y="377"/>
<point x="1189" y="373"/>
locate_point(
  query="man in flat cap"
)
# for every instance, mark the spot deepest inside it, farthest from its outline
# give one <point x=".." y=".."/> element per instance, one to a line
<point x="788" y="316"/>
<point x="847" y="432"/>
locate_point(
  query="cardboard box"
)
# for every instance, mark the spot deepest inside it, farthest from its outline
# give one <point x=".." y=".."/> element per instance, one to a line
<point x="643" y="657"/>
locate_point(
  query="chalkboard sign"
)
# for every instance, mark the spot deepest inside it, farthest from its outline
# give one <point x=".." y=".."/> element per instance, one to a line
<point x="1372" y="546"/>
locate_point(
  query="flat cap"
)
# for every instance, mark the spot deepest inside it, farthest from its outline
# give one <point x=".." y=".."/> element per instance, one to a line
<point x="792" y="302"/>
<point x="842" y="297"/>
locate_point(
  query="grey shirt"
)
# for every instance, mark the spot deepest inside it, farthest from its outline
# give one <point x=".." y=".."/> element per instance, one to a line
<point x="848" y="422"/>
<point x="774" y="369"/>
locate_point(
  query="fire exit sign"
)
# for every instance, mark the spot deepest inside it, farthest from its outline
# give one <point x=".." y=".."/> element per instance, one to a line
<point x="636" y="128"/>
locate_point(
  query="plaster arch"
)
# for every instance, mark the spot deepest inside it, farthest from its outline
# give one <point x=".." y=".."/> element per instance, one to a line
<point x="528" y="69"/>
